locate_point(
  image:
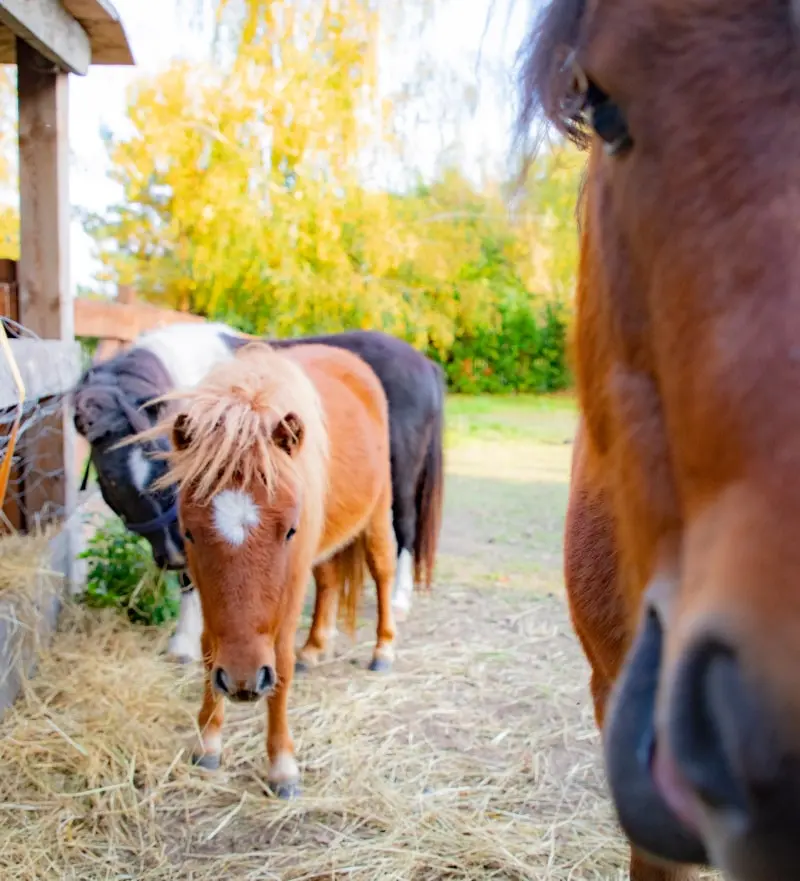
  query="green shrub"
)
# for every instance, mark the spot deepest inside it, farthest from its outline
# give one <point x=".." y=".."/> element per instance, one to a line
<point x="122" y="575"/>
<point x="525" y="353"/>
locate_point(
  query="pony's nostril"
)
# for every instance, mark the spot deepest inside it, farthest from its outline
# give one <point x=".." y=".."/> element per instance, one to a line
<point x="265" y="679"/>
<point x="221" y="681"/>
<point x="719" y="734"/>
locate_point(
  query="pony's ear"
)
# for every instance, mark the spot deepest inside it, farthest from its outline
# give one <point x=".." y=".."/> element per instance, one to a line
<point x="288" y="433"/>
<point x="181" y="432"/>
<point x="82" y="424"/>
<point x="87" y="421"/>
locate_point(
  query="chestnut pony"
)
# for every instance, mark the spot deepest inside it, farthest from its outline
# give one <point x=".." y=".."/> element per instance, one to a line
<point x="281" y="460"/>
<point x="682" y="550"/>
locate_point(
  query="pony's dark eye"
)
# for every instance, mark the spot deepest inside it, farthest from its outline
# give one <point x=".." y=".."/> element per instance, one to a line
<point x="188" y="536"/>
<point x="290" y="533"/>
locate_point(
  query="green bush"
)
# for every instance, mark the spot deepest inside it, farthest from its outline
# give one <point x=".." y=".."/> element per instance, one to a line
<point x="525" y="353"/>
<point x="122" y="575"/>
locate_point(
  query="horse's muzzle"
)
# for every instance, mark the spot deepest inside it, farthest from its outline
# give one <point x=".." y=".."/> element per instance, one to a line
<point x="630" y="745"/>
<point x="715" y="785"/>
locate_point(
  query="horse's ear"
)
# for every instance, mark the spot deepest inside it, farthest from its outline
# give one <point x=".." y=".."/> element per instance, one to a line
<point x="181" y="432"/>
<point x="288" y="434"/>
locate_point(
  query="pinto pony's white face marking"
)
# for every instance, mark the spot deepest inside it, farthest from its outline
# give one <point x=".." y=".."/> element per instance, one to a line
<point x="235" y="514"/>
<point x="141" y="469"/>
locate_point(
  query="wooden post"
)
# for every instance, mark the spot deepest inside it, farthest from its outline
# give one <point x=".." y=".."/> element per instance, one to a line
<point x="13" y="510"/>
<point x="45" y="301"/>
<point x="9" y="295"/>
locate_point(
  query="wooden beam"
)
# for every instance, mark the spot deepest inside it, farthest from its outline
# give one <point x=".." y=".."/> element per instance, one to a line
<point x="51" y="30"/>
<point x="47" y="367"/>
<point x="45" y="302"/>
<point x="106" y="33"/>
<point x="107" y="320"/>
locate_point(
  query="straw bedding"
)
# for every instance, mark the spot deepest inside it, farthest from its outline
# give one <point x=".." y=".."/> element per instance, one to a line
<point x="28" y="589"/>
<point x="467" y="762"/>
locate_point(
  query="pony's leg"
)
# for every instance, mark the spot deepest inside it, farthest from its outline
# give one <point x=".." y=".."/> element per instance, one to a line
<point x="209" y="721"/>
<point x="283" y="775"/>
<point x="404" y="522"/>
<point x="381" y="563"/>
<point x="322" y="633"/>
<point x="184" y="645"/>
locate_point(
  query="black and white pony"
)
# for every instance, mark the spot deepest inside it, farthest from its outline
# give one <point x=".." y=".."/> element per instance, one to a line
<point x="110" y="406"/>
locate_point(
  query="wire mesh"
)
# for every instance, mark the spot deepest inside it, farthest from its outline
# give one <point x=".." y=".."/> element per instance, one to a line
<point x="37" y="460"/>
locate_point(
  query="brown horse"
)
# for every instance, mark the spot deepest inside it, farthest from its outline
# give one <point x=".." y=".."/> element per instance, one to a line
<point x="282" y="463"/>
<point x="682" y="549"/>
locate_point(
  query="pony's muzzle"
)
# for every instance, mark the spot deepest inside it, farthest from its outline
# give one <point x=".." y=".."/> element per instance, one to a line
<point x="245" y="690"/>
<point x="726" y="758"/>
<point x="713" y="782"/>
<point x="630" y="749"/>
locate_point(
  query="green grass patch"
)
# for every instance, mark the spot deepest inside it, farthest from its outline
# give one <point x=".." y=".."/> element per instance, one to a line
<point x="542" y="419"/>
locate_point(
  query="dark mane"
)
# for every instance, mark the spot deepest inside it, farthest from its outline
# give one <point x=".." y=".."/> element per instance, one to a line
<point x="542" y="83"/>
<point x="109" y="395"/>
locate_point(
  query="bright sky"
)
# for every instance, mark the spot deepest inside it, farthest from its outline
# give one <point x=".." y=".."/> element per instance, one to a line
<point x="161" y="30"/>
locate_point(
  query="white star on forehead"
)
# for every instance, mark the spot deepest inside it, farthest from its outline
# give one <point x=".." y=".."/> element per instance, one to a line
<point x="235" y="514"/>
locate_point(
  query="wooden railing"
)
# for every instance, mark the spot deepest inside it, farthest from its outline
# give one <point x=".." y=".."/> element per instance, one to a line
<point x="116" y="323"/>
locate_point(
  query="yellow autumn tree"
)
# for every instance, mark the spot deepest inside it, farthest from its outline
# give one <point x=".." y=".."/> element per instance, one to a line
<point x="244" y="200"/>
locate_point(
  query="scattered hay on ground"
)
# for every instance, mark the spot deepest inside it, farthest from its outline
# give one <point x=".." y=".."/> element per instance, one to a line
<point x="477" y="758"/>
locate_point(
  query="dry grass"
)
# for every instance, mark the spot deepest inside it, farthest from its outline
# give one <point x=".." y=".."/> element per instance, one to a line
<point x="24" y="562"/>
<point x="28" y="590"/>
<point x="467" y="762"/>
<point x="476" y="758"/>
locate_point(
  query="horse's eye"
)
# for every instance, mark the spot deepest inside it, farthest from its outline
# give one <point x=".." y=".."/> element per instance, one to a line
<point x="188" y="536"/>
<point x="290" y="533"/>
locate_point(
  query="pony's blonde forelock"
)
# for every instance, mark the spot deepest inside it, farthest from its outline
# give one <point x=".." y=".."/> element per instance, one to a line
<point x="228" y="423"/>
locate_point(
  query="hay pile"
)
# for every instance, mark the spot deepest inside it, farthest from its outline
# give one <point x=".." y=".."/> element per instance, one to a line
<point x="23" y="561"/>
<point x="28" y="589"/>
<point x="477" y="758"/>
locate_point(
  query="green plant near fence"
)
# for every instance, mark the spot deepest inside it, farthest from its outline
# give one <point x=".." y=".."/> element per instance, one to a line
<point x="122" y="575"/>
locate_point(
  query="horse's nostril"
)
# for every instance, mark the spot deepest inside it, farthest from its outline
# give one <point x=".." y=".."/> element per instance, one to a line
<point x="717" y="730"/>
<point x="265" y="679"/>
<point x="221" y="682"/>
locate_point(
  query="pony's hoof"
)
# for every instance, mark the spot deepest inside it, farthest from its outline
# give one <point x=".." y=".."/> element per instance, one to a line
<point x="207" y="761"/>
<point x="379" y="665"/>
<point x="286" y="791"/>
<point x="301" y="667"/>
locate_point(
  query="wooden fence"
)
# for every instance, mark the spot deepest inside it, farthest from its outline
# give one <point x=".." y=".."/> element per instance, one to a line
<point x="118" y="322"/>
